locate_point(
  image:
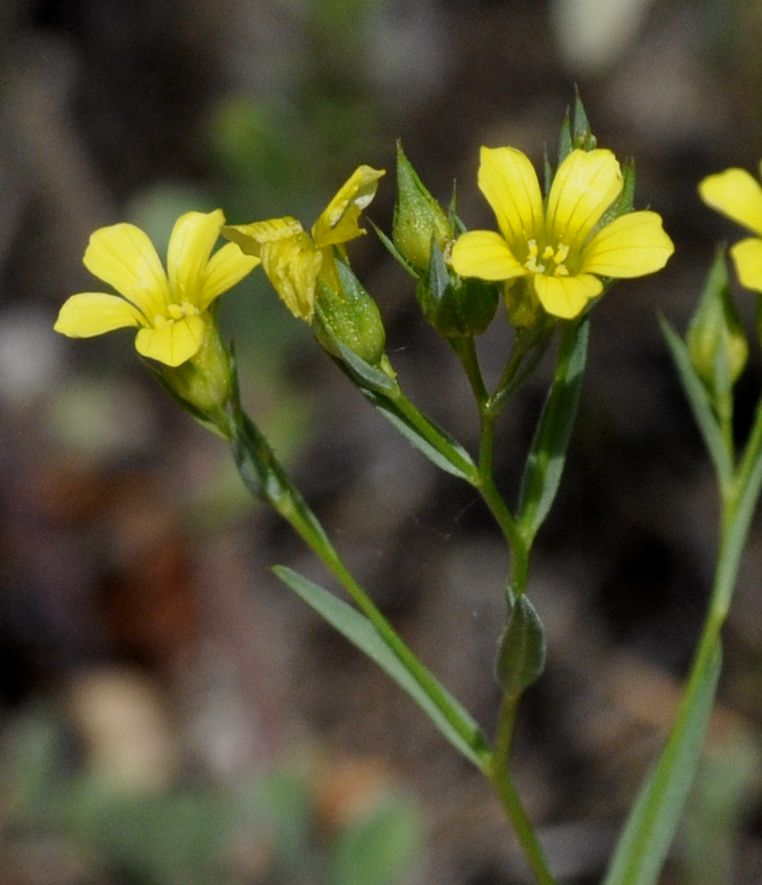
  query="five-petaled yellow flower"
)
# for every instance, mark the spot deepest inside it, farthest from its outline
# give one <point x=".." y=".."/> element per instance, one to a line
<point x="737" y="194"/>
<point x="293" y="259"/>
<point x="561" y="248"/>
<point x="170" y="309"/>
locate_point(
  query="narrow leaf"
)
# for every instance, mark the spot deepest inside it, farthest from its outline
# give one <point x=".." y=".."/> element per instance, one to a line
<point x="650" y="828"/>
<point x="521" y="656"/>
<point x="465" y="735"/>
<point x="700" y="404"/>
<point x="545" y="463"/>
<point x="431" y="440"/>
<point x="363" y="372"/>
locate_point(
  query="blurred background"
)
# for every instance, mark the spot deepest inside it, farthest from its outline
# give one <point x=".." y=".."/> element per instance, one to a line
<point x="169" y="713"/>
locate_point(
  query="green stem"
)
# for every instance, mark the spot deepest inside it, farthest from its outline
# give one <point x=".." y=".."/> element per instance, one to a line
<point x="522" y="826"/>
<point x="274" y="485"/>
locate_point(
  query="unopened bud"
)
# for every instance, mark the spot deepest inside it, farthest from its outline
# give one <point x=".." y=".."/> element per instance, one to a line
<point x="418" y="217"/>
<point x="716" y="341"/>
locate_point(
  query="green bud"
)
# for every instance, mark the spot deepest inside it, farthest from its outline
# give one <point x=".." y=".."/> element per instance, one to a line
<point x="349" y="316"/>
<point x="455" y="306"/>
<point x="716" y="342"/>
<point x="203" y="384"/>
<point x="418" y="217"/>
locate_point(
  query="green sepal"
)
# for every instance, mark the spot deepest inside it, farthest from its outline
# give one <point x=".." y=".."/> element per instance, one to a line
<point x="701" y="405"/>
<point x="575" y="130"/>
<point x="716" y="341"/>
<point x="545" y="463"/>
<point x="201" y="417"/>
<point x="350" y="317"/>
<point x="625" y="202"/>
<point x="522" y="649"/>
<point x="456" y="724"/>
<point x="455" y="306"/>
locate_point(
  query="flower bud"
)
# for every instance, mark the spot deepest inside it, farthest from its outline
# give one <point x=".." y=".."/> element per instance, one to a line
<point x="455" y="306"/>
<point x="349" y="316"/>
<point x="418" y="217"/>
<point x="716" y="341"/>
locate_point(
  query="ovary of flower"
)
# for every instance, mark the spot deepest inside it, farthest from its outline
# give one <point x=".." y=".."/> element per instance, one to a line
<point x="293" y="259"/>
<point x="562" y="248"/>
<point x="738" y="195"/>
<point x="169" y="309"/>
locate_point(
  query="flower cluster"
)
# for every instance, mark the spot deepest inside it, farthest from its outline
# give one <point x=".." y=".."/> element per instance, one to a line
<point x="564" y="249"/>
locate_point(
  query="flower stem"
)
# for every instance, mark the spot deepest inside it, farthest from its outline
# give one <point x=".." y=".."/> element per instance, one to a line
<point x="271" y="482"/>
<point x="522" y="826"/>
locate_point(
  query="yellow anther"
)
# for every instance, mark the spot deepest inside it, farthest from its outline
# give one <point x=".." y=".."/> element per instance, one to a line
<point x="547" y="252"/>
<point x="562" y="253"/>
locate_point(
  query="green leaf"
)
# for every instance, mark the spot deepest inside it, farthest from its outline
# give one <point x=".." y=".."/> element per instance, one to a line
<point x="380" y="848"/>
<point x="521" y="655"/>
<point x="456" y="724"/>
<point x="545" y="463"/>
<point x="388" y="243"/>
<point x="431" y="440"/>
<point x="700" y="405"/>
<point x="362" y="373"/>
<point x="653" y="820"/>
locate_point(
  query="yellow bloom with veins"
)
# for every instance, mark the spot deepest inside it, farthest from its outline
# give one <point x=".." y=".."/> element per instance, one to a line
<point x="737" y="194"/>
<point x="169" y="309"/>
<point x="293" y="259"/>
<point x="561" y="248"/>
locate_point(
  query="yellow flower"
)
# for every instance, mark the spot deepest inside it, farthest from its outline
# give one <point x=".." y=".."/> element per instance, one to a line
<point x="560" y="248"/>
<point x="293" y="259"/>
<point x="169" y="310"/>
<point x="737" y="194"/>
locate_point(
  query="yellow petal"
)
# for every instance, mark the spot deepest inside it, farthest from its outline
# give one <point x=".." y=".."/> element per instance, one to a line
<point x="566" y="297"/>
<point x="585" y="185"/>
<point x="292" y="266"/>
<point x="338" y="223"/>
<point x="123" y="256"/>
<point x="190" y="245"/>
<point x="251" y="237"/>
<point x="173" y="343"/>
<point x="484" y="254"/>
<point x="93" y="313"/>
<point x="508" y="181"/>
<point x="228" y="266"/>
<point x="747" y="257"/>
<point x="631" y="246"/>
<point x="737" y="194"/>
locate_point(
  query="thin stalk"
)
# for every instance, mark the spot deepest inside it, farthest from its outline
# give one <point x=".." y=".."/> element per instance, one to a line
<point x="522" y="826"/>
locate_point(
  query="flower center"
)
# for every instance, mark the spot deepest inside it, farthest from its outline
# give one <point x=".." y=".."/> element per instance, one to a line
<point x="550" y="260"/>
<point x="175" y="312"/>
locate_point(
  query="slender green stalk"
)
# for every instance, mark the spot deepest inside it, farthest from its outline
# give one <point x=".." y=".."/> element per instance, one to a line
<point x="522" y="826"/>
